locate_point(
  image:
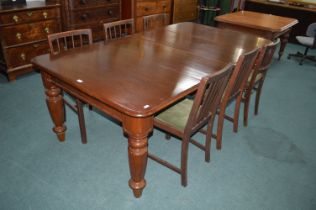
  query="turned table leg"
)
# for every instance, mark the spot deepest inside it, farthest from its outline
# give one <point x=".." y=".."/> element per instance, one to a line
<point x="137" y="130"/>
<point x="55" y="104"/>
<point x="283" y="41"/>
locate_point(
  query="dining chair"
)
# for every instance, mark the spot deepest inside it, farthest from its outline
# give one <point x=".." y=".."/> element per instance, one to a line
<point x="234" y="92"/>
<point x="66" y="40"/>
<point x="63" y="41"/>
<point x="155" y="21"/>
<point x="309" y="41"/>
<point x="118" y="29"/>
<point x="187" y="117"/>
<point x="257" y="77"/>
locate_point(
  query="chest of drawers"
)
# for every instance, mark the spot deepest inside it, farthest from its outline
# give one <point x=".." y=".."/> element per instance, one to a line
<point x="149" y="7"/>
<point x="78" y="14"/>
<point x="184" y="10"/>
<point x="23" y="34"/>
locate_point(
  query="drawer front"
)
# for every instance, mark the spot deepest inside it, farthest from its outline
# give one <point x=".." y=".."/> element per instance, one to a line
<point x="184" y="10"/>
<point x="18" y="56"/>
<point x="29" y="16"/>
<point x="77" y="4"/>
<point x="28" y="32"/>
<point x="139" y="24"/>
<point x="144" y="8"/>
<point x="97" y="32"/>
<point x="184" y="17"/>
<point x="97" y="15"/>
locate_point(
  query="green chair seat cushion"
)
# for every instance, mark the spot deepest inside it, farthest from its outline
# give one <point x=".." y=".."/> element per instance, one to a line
<point x="177" y="115"/>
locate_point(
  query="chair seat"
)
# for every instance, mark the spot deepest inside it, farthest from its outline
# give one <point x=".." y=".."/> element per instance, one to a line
<point x="177" y="115"/>
<point x="304" y="40"/>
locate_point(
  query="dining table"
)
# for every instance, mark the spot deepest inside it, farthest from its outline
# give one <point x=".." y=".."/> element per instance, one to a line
<point x="134" y="78"/>
<point x="261" y="24"/>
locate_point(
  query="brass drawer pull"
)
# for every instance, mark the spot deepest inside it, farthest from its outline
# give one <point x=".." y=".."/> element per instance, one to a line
<point x="45" y="15"/>
<point x="84" y="17"/>
<point x="18" y="36"/>
<point x="29" y="14"/>
<point x="149" y="9"/>
<point x="23" y="56"/>
<point x="15" y="18"/>
<point x="110" y="13"/>
<point x="46" y="29"/>
<point x="35" y="45"/>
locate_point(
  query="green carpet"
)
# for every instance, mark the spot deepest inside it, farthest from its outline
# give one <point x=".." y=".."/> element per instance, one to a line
<point x="271" y="164"/>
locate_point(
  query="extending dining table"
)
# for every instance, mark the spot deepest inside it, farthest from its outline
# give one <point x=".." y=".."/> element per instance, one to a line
<point x="265" y="25"/>
<point x="134" y="78"/>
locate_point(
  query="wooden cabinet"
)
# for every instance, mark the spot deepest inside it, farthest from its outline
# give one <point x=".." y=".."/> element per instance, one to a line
<point x="78" y="14"/>
<point x="184" y="10"/>
<point x="23" y="34"/>
<point x="149" y="7"/>
<point x="304" y="15"/>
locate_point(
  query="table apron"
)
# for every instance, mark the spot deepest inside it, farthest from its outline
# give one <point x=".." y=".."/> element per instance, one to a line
<point x="117" y="115"/>
<point x="259" y="32"/>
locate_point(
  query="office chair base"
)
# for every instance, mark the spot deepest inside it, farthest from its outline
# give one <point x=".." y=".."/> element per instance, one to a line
<point x="302" y="57"/>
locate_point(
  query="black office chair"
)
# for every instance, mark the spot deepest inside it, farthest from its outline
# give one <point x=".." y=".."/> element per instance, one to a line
<point x="309" y="41"/>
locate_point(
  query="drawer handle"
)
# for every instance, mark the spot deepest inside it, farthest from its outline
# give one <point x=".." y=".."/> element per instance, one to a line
<point x="46" y="29"/>
<point x="164" y="6"/>
<point x="23" y="56"/>
<point x="84" y="17"/>
<point x="83" y="1"/>
<point x="18" y="36"/>
<point x="29" y="14"/>
<point x="149" y="8"/>
<point x="110" y="13"/>
<point x="45" y="15"/>
<point x="35" y="45"/>
<point x="15" y="18"/>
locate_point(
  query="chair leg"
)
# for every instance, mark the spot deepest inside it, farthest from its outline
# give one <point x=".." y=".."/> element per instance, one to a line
<point x="208" y="139"/>
<point x="220" y="124"/>
<point x="184" y="160"/>
<point x="304" y="56"/>
<point x="258" y="94"/>
<point x="236" y="112"/>
<point x="81" y="122"/>
<point x="246" y="107"/>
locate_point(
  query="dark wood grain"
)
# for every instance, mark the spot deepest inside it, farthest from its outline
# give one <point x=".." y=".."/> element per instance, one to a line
<point x="148" y="7"/>
<point x="80" y="14"/>
<point x="23" y="34"/>
<point x="133" y="79"/>
<point x="304" y="15"/>
<point x="261" y="24"/>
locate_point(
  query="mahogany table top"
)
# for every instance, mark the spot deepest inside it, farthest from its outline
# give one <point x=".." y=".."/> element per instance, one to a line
<point x="140" y="75"/>
<point x="258" y="20"/>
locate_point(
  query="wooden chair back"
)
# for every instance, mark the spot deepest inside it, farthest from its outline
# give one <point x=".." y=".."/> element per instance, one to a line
<point x="155" y="21"/>
<point x="118" y="29"/>
<point x="255" y="82"/>
<point x="207" y="99"/>
<point x="263" y="62"/>
<point x="240" y="75"/>
<point x="64" y="41"/>
<point x="268" y="55"/>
